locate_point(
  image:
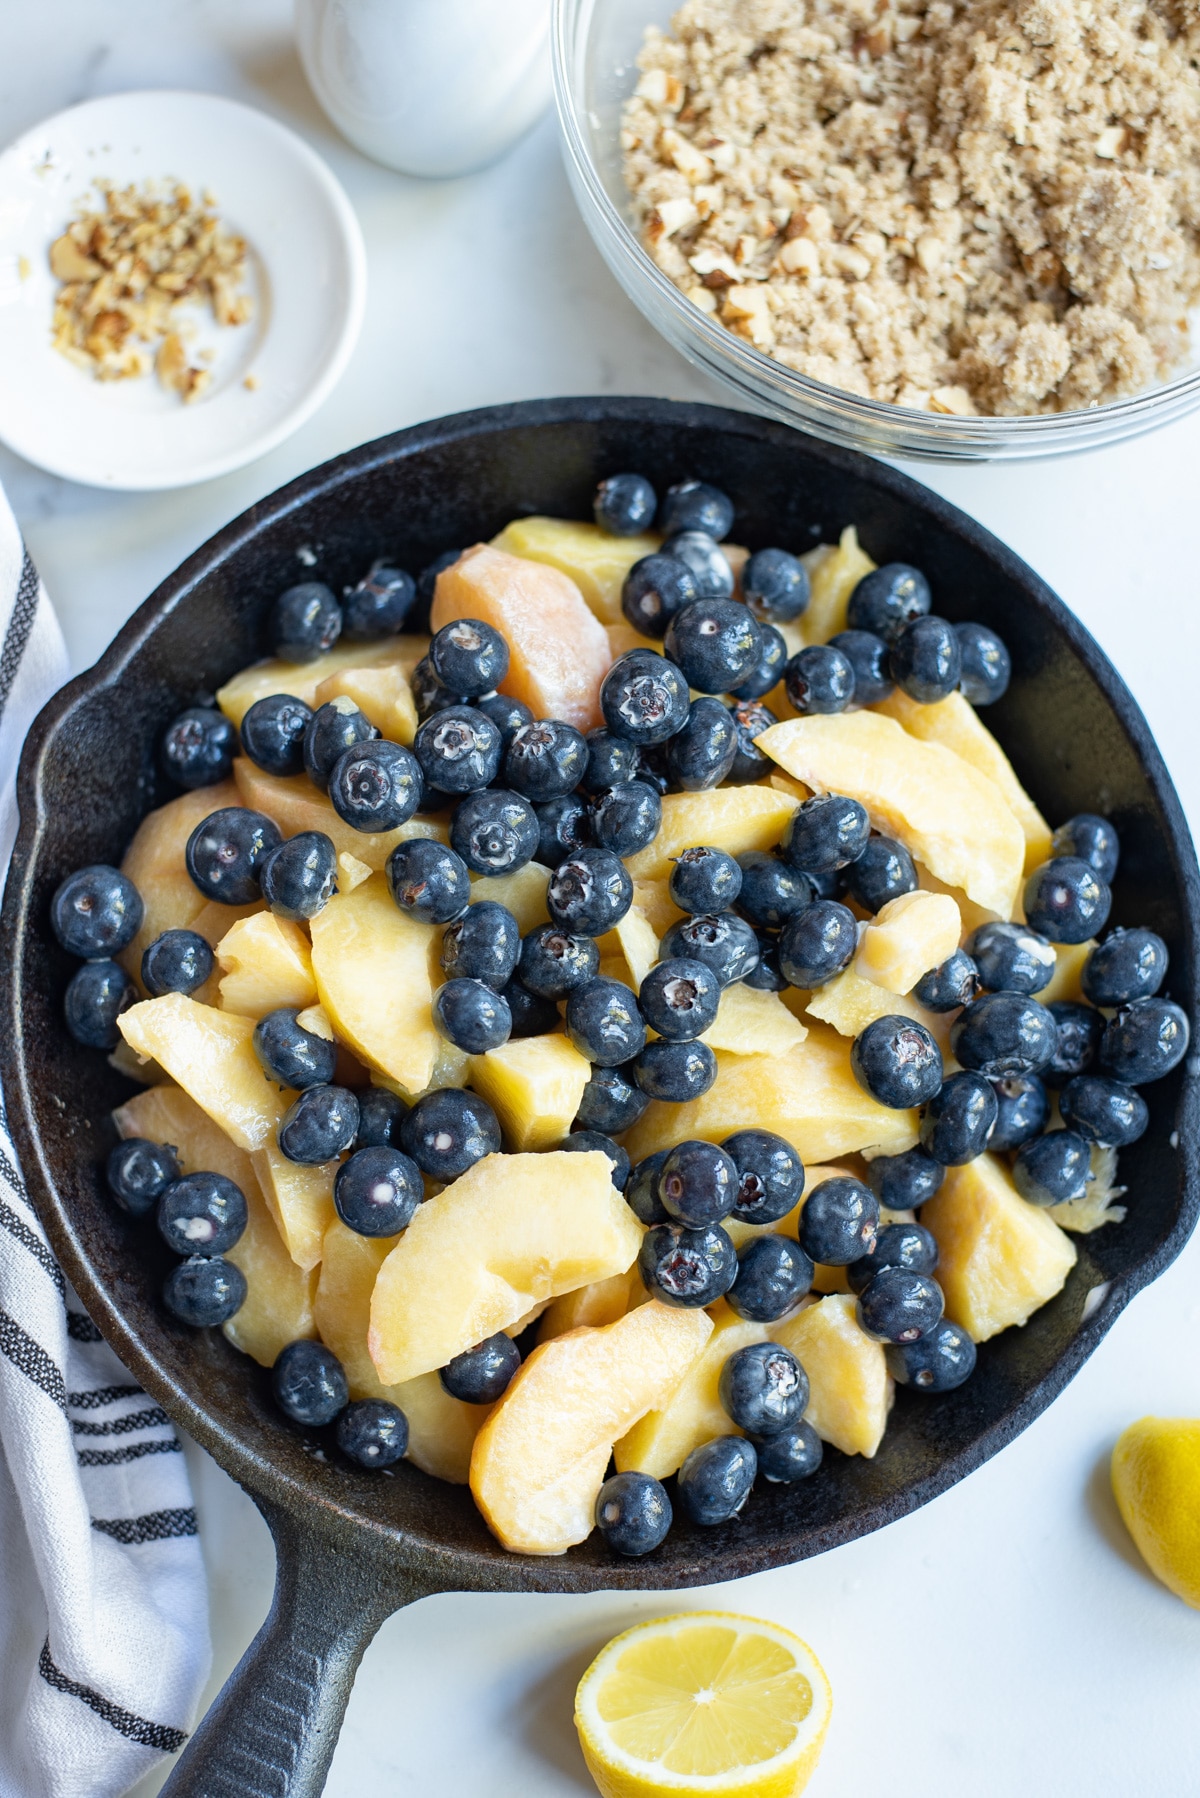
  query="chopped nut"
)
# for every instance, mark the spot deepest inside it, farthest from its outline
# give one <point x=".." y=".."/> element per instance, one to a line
<point x="1110" y="143"/>
<point x="929" y="252"/>
<point x="68" y="262"/>
<point x="702" y="297"/>
<point x="800" y="257"/>
<point x="690" y="161"/>
<point x="710" y="261"/>
<point x="955" y="400"/>
<point x="675" y="216"/>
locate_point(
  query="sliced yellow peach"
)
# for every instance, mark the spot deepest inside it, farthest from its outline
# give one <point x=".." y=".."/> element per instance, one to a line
<point x="731" y="818"/>
<point x="534" y="1084"/>
<point x="302" y="679"/>
<point x="850" y="1003"/>
<point x="907" y="937"/>
<point x="296" y="805"/>
<point x="514" y="1230"/>
<point x="622" y="638"/>
<point x="1098" y="1205"/>
<point x="949" y="815"/>
<point x="371" y="963"/>
<point x="596" y="561"/>
<point x="599" y="1302"/>
<point x="210" y="1054"/>
<point x="999" y="1258"/>
<point x="266" y="964"/>
<point x="300" y="1200"/>
<point x="834" y="571"/>
<point x="956" y="724"/>
<point x="1069" y="961"/>
<point x="351" y="872"/>
<point x="809" y="1096"/>
<point x="752" y="1022"/>
<point x="540" y="1459"/>
<point x="653" y="900"/>
<point x="154" y="862"/>
<point x="558" y="652"/>
<point x="661" y="1441"/>
<point x="851" y="1392"/>
<point x="524" y="893"/>
<point x="382" y="695"/>
<point x="635" y="941"/>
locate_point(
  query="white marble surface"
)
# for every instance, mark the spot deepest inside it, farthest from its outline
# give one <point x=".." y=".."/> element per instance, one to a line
<point x="1005" y="1637"/>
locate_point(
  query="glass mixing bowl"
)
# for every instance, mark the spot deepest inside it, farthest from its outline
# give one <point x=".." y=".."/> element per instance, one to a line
<point x="595" y="46"/>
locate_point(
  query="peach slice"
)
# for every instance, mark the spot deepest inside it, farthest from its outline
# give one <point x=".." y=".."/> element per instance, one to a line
<point x="301" y="679"/>
<point x="539" y="1460"/>
<point x="752" y="1022"/>
<point x="295" y="805"/>
<point x="851" y="1393"/>
<point x="535" y="1085"/>
<point x="909" y="935"/>
<point x="300" y="1199"/>
<point x="999" y="1258"/>
<point x="558" y="651"/>
<point x="523" y="892"/>
<point x="834" y="570"/>
<point x="371" y="963"/>
<point x="661" y="1441"/>
<point x="596" y="561"/>
<point x="266" y="963"/>
<point x="154" y="862"/>
<point x="599" y="1302"/>
<point x="382" y="695"/>
<point x="731" y="818"/>
<point x="210" y="1054"/>
<point x="850" y="1003"/>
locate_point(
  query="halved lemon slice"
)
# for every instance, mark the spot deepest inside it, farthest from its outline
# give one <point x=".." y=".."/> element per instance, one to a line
<point x="704" y="1703"/>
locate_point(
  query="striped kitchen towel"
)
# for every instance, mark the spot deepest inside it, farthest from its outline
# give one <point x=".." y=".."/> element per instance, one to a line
<point x="104" y="1642"/>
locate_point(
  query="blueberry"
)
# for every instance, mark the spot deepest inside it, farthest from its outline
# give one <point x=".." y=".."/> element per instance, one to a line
<point x="554" y="963"/>
<point x="770" y="1176"/>
<point x="380" y="1114"/>
<point x="698" y="1184"/>
<point x="686" y="1268"/>
<point x="1128" y="964"/>
<point x="589" y="893"/>
<point x="319" y="1125"/>
<point x="484" y="944"/>
<point x="531" y="1014"/>
<point x="721" y="940"/>
<point x="826" y="832"/>
<point x="418" y="619"/>
<point x="1022" y="1108"/>
<point x="1144" y="1041"/>
<point x="611" y="761"/>
<point x="676" y="1072"/>
<point x="709" y="564"/>
<point x="332" y="729"/>
<point x="273" y="732"/>
<point x="1011" y="958"/>
<point x="1003" y="1033"/>
<point x="767" y="977"/>
<point x="654" y="768"/>
<point x="604" y="1023"/>
<point x="204" y="1291"/>
<point x="768" y="670"/>
<point x="627" y="818"/>
<point x="959" y="1119"/>
<point x="716" y="1479"/>
<point x="428" y="881"/>
<point x="508" y="715"/>
<point x="429" y="695"/>
<point x="1067" y="900"/>
<point x="644" y="698"/>
<point x="776" y="586"/>
<point x="458" y="749"/>
<point x="378" y="605"/>
<point x="696" y="506"/>
<point x="986" y="664"/>
<point x="96" y="996"/>
<point x="884" y="871"/>
<point x="1103" y="1111"/>
<point x="641" y="1190"/>
<point x="292" y="1055"/>
<point x="791" y="1455"/>
<point x="97" y="911"/>
<point x="770" y="891"/>
<point x="495" y="832"/>
<point x="1091" y="839"/>
<point x="704" y="880"/>
<point x="701" y="754"/>
<point x="373" y="1433"/>
<point x="472" y="1015"/>
<point x="202" y="1214"/>
<point x="867" y="655"/>
<point x="633" y="1513"/>
<point x="624" y="505"/>
<point x="904" y="1182"/>
<point x="750" y="720"/>
<point x="138" y="1173"/>
<point x="936" y="1362"/>
<point x="899" y="1305"/>
<point x="299" y="878"/>
<point x="611" y="1102"/>
<point x="309" y="1383"/>
<point x="945" y="988"/>
<point x="773" y="1276"/>
<point x="926" y="661"/>
<point x="448" y="1131"/>
<point x="819" y="679"/>
<point x="178" y="961"/>
<point x="376" y="1191"/>
<point x="888" y="599"/>
<point x="545" y="759"/>
<point x="654" y="590"/>
<point x="1050" y="1169"/>
<point x="679" y="999"/>
<point x="839" y="1222"/>
<point x="897" y="1245"/>
<point x="563" y="827"/>
<point x="306" y="621"/>
<point x="469" y="657"/>
<point x="763" y="1388"/>
<point x="1079" y="1030"/>
<point x="376" y="786"/>
<point x="715" y="643"/>
<point x="483" y="1374"/>
<point x="198" y="747"/>
<point x="817" y="943"/>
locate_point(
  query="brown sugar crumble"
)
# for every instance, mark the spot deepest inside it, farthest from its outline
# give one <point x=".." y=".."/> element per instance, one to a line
<point x="964" y="206"/>
<point x="124" y="269"/>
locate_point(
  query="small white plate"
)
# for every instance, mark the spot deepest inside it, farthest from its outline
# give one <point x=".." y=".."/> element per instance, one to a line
<point x="306" y="269"/>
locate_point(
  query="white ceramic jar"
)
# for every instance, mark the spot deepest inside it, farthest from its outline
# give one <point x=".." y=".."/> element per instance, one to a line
<point x="429" y="87"/>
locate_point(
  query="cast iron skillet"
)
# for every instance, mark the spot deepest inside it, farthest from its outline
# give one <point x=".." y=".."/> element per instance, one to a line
<point x="353" y="1546"/>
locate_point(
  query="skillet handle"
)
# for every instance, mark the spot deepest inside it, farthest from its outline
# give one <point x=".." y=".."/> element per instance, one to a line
<point x="272" y="1729"/>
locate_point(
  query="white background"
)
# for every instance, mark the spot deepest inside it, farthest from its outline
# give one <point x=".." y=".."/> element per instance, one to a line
<point x="1005" y="1638"/>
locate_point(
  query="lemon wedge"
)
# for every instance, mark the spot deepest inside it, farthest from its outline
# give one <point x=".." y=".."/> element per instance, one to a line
<point x="703" y="1703"/>
<point x="1156" y="1483"/>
